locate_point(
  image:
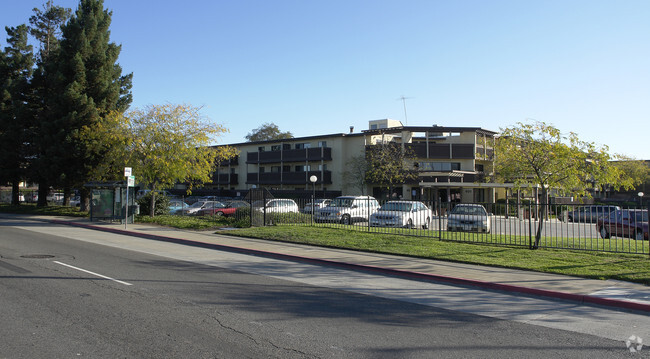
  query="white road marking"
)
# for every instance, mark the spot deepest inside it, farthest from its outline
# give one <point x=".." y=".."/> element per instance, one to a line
<point x="93" y="273"/>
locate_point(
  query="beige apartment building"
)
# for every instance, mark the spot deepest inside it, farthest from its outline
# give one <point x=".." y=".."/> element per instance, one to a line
<point x="451" y="162"/>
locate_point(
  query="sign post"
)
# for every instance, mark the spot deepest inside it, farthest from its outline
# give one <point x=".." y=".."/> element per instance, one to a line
<point x="130" y="182"/>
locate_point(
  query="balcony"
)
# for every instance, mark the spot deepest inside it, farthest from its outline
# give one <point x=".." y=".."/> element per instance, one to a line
<point x="225" y="178"/>
<point x="301" y="155"/>
<point x="229" y="162"/>
<point x="443" y="150"/>
<point x="288" y="178"/>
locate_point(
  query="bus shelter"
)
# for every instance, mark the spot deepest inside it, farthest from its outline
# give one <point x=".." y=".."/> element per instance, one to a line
<point x="108" y="201"/>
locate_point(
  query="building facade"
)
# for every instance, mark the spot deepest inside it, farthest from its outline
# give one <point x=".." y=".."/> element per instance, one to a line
<point x="450" y="162"/>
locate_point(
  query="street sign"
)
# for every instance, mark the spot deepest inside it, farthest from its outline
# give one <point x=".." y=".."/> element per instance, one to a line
<point x="130" y="181"/>
<point x="127" y="171"/>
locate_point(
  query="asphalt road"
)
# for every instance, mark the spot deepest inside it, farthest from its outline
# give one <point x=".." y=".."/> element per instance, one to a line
<point x="69" y="292"/>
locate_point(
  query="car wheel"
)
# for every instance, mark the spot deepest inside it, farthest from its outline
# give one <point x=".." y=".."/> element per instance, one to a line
<point x="426" y="224"/>
<point x="639" y="235"/>
<point x="603" y="232"/>
<point x="569" y="219"/>
<point x="219" y="214"/>
<point x="346" y="219"/>
<point x="409" y="224"/>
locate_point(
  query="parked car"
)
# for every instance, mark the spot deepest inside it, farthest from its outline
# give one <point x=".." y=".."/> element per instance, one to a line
<point x="197" y="206"/>
<point x="318" y="204"/>
<point x="407" y="214"/>
<point x="228" y="209"/>
<point x="469" y="217"/>
<point x="176" y="206"/>
<point x="279" y="205"/>
<point x="348" y="209"/>
<point x="589" y="214"/>
<point x="55" y="197"/>
<point x="631" y="223"/>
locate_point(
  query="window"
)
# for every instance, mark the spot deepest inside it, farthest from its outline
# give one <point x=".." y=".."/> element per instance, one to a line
<point x="286" y="146"/>
<point x="275" y="169"/>
<point x="322" y="167"/>
<point x="303" y="168"/>
<point x="275" y="148"/>
<point x="232" y="170"/>
<point x="300" y="146"/>
<point x="260" y="149"/>
<point x="322" y="143"/>
<point x="286" y="168"/>
<point x="262" y="169"/>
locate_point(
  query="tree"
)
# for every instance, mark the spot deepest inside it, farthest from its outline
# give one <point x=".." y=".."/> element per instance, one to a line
<point x="164" y="145"/>
<point x="355" y="173"/>
<point x="266" y="132"/>
<point x="16" y="64"/>
<point x="90" y="85"/>
<point x="46" y="27"/>
<point x="539" y="155"/>
<point x="45" y="130"/>
<point x="387" y="165"/>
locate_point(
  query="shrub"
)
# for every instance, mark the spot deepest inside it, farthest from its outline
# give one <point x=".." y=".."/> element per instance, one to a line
<point x="162" y="204"/>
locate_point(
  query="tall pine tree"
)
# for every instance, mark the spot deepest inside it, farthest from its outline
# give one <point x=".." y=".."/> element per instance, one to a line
<point x="46" y="135"/>
<point x="90" y="85"/>
<point x="16" y="65"/>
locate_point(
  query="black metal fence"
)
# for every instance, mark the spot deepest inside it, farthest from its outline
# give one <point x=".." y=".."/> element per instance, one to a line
<point x="604" y="228"/>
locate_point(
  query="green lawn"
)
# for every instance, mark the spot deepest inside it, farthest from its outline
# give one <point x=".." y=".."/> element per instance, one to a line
<point x="588" y="264"/>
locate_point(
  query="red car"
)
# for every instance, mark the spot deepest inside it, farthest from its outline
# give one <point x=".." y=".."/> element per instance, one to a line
<point x="228" y="209"/>
<point x="631" y="223"/>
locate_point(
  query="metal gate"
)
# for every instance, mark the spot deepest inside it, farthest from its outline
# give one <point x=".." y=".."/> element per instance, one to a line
<point x="257" y="199"/>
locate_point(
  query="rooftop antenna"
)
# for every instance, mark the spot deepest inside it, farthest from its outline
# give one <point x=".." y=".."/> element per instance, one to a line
<point x="406" y="119"/>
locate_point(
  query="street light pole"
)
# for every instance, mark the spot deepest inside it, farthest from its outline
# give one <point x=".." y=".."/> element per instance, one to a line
<point x="313" y="180"/>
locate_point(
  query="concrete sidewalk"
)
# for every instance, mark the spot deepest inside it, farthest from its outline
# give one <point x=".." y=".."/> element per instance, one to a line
<point x="610" y="293"/>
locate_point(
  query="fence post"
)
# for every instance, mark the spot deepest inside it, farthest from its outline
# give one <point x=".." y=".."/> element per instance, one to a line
<point x="530" y="227"/>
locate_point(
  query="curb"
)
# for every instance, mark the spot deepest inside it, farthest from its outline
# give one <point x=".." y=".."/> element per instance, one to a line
<point x="579" y="298"/>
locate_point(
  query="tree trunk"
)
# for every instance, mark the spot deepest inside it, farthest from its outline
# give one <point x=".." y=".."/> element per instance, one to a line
<point x="43" y="190"/>
<point x="15" y="192"/>
<point x="152" y="204"/>
<point x="84" y="199"/>
<point x="542" y="208"/>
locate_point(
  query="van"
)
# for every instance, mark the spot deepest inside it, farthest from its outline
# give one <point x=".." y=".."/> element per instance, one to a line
<point x="347" y="210"/>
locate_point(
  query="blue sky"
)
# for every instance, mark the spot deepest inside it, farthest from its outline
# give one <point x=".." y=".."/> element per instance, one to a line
<point x="319" y="67"/>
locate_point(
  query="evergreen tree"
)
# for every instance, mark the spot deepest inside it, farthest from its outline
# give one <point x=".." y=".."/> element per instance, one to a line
<point x="45" y="130"/>
<point x="89" y="85"/>
<point x="16" y="65"/>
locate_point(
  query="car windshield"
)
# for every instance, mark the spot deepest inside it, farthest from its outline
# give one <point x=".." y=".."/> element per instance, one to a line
<point x="341" y="202"/>
<point x="395" y="206"/>
<point x="468" y="210"/>
<point x="197" y="204"/>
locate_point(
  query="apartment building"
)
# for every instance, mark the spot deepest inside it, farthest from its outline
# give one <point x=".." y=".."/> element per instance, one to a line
<point x="448" y="160"/>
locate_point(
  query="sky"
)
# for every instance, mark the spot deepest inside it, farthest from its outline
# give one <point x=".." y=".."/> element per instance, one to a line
<point x="318" y="67"/>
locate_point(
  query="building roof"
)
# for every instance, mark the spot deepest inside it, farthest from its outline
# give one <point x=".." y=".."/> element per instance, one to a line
<point x="429" y="129"/>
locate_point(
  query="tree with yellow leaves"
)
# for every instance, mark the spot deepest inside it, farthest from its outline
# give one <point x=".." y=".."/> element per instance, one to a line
<point x="164" y="144"/>
<point x="539" y="154"/>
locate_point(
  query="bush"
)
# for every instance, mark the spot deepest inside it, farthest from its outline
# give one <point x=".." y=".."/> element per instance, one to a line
<point x="162" y="204"/>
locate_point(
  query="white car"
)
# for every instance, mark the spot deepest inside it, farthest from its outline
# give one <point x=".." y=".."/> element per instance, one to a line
<point x="468" y="217"/>
<point x="197" y="206"/>
<point x="276" y="206"/>
<point x="406" y="214"/>
<point x="348" y="209"/>
<point x="318" y="204"/>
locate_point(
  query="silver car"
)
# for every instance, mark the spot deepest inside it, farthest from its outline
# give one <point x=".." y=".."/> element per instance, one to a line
<point x="469" y="217"/>
<point x="407" y="214"/>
